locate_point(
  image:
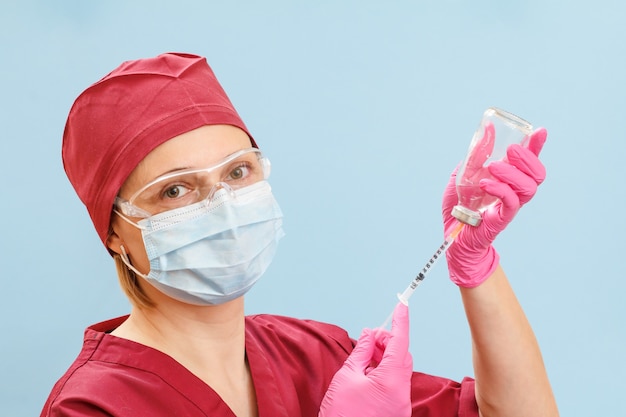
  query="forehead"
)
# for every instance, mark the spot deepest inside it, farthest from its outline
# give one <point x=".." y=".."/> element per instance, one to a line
<point x="197" y="148"/>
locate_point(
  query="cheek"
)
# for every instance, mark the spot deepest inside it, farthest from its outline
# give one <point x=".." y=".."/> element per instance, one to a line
<point x="138" y="256"/>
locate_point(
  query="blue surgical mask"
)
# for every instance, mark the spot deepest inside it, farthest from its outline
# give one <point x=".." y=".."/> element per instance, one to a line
<point x="210" y="254"/>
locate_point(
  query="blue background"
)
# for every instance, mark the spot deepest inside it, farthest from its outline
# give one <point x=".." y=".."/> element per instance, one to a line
<point x="364" y="108"/>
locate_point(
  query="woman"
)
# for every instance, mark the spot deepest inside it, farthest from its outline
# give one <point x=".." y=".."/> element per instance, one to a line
<point x="177" y="190"/>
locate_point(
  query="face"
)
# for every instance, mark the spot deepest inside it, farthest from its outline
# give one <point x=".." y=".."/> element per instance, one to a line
<point x="198" y="148"/>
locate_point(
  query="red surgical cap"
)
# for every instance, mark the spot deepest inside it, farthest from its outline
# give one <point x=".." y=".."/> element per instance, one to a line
<point x="118" y="120"/>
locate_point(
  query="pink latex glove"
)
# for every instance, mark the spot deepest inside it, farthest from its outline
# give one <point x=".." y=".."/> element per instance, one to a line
<point x="375" y="380"/>
<point x="472" y="258"/>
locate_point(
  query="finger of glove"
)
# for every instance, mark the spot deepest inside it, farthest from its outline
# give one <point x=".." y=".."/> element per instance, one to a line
<point x="362" y="353"/>
<point x="523" y="184"/>
<point x="398" y="343"/>
<point x="381" y="338"/>
<point x="481" y="151"/>
<point x="537" y="140"/>
<point x="527" y="162"/>
<point x="501" y="213"/>
<point x="450" y="199"/>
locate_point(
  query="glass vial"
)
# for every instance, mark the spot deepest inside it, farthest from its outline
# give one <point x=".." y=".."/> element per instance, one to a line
<point x="497" y="130"/>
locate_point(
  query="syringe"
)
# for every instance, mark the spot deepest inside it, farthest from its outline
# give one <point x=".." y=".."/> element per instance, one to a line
<point x="408" y="292"/>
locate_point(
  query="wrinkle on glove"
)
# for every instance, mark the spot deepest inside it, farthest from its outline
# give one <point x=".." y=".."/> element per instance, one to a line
<point x="375" y="380"/>
<point x="472" y="258"/>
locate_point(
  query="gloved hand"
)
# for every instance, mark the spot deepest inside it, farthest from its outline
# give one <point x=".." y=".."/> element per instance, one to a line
<point x="375" y="380"/>
<point x="472" y="258"/>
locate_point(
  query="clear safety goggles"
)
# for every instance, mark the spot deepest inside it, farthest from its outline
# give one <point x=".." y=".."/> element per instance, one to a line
<point x="190" y="186"/>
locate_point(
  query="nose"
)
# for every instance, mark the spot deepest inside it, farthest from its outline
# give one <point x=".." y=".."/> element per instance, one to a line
<point x="220" y="191"/>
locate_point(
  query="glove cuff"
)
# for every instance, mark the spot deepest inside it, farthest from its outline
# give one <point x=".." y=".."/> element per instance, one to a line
<point x="470" y="273"/>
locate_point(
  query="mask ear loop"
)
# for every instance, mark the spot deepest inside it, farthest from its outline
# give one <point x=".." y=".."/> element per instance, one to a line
<point x="126" y="261"/>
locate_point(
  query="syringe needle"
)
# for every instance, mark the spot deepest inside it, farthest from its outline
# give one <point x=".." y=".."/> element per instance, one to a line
<point x="404" y="297"/>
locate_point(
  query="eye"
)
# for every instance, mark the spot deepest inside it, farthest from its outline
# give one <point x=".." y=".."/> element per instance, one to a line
<point x="239" y="172"/>
<point x="174" y="191"/>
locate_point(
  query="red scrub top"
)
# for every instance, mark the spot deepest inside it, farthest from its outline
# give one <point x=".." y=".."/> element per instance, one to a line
<point x="292" y="363"/>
